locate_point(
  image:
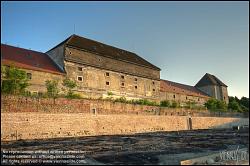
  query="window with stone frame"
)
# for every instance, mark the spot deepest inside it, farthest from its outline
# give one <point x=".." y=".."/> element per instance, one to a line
<point x="79" y="78"/>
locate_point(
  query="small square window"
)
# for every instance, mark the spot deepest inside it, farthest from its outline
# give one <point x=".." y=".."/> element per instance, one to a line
<point x="122" y="84"/>
<point x="107" y="83"/>
<point x="122" y="77"/>
<point x="79" y="78"/>
<point x="153" y="89"/>
<point x="135" y="79"/>
<point x="153" y="82"/>
<point x="135" y="87"/>
<point x="107" y="74"/>
<point x="29" y="76"/>
<point x="79" y="68"/>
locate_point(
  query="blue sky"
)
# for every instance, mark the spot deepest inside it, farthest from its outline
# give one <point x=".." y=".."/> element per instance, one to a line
<point x="185" y="39"/>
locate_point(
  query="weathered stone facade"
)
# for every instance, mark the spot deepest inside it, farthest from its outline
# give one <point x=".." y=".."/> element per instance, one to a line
<point x="38" y="79"/>
<point x="102" y="71"/>
<point x="99" y="75"/>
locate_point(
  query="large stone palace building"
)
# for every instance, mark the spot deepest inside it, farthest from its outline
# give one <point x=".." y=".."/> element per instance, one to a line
<point x="100" y="70"/>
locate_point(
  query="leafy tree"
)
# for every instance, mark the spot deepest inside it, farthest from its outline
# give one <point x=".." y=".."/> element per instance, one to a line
<point x="244" y="102"/>
<point x="69" y="84"/>
<point x="240" y="105"/>
<point x="234" y="105"/>
<point x="52" y="88"/>
<point x="14" y="81"/>
<point x="221" y="105"/>
<point x="211" y="104"/>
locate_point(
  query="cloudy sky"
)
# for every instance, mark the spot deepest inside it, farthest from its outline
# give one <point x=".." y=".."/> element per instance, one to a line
<point x="185" y="39"/>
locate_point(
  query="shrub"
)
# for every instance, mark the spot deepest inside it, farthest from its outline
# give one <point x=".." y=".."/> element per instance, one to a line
<point x="110" y="93"/>
<point x="73" y="96"/>
<point x="121" y="99"/>
<point x="175" y="104"/>
<point x="216" y="105"/>
<point x="165" y="103"/>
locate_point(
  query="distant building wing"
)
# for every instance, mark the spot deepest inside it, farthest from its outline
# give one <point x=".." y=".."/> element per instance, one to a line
<point x="28" y="59"/>
<point x="209" y="79"/>
<point x="174" y="87"/>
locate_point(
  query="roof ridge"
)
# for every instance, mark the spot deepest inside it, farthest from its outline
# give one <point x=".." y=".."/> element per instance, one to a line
<point x="22" y="48"/>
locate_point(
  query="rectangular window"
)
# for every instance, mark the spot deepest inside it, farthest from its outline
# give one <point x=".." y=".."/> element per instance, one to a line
<point x="107" y="83"/>
<point x="79" y="78"/>
<point x="174" y="96"/>
<point x="135" y="79"/>
<point x="123" y="84"/>
<point x="153" y="82"/>
<point x="135" y="87"/>
<point x="122" y="77"/>
<point x="29" y="76"/>
<point x="79" y="68"/>
<point x="107" y="74"/>
<point x="153" y="89"/>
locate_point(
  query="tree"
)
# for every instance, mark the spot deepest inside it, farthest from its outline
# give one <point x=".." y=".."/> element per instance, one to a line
<point x="234" y="105"/>
<point x="221" y="105"/>
<point x="52" y="88"/>
<point x="211" y="104"/>
<point x="14" y="81"/>
<point x="69" y="84"/>
<point x="240" y="105"/>
<point x="244" y="102"/>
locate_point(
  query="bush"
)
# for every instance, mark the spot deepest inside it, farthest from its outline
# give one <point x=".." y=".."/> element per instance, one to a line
<point x="165" y="103"/>
<point x="121" y="99"/>
<point x="73" y="96"/>
<point x="110" y="93"/>
<point x="216" y="105"/>
<point x="145" y="102"/>
<point x="175" y="104"/>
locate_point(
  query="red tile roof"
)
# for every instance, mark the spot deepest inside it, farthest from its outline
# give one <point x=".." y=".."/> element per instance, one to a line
<point x="174" y="87"/>
<point x="28" y="59"/>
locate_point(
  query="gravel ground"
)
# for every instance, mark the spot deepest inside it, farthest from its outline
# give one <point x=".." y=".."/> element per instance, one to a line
<point x="145" y="148"/>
